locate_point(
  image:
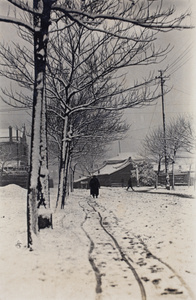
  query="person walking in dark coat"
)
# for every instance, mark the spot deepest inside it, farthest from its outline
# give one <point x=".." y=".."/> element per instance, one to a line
<point x="94" y="186"/>
<point x="130" y="184"/>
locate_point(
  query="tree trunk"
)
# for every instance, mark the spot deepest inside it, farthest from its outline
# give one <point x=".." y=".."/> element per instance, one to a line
<point x="159" y="166"/>
<point x="71" y="176"/>
<point x="173" y="162"/>
<point x="41" y="24"/>
<point x="65" y="175"/>
<point x="63" y="164"/>
<point x="158" y="172"/>
<point x="173" y="178"/>
<point x="44" y="173"/>
<point x="137" y="176"/>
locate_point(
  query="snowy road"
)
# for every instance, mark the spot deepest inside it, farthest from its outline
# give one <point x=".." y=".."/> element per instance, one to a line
<point x="123" y="245"/>
<point x="138" y="271"/>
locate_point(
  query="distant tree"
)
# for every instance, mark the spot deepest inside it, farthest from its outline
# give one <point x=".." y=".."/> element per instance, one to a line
<point x="92" y="134"/>
<point x="153" y="146"/>
<point x="179" y="136"/>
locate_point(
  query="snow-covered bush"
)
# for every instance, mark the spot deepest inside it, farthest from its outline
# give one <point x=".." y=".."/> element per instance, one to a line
<point x="147" y="176"/>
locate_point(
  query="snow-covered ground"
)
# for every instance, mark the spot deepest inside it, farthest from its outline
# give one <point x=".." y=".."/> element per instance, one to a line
<point x="123" y="245"/>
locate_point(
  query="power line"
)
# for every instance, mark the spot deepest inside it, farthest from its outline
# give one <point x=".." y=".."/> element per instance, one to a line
<point x="180" y="66"/>
<point x="182" y="91"/>
<point x="180" y="57"/>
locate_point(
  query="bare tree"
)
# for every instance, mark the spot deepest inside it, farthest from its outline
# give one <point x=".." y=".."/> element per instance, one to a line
<point x="179" y="136"/>
<point x="84" y="76"/>
<point x="153" y="146"/>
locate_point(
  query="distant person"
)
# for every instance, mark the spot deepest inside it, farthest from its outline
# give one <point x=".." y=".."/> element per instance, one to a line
<point x="130" y="184"/>
<point x="94" y="186"/>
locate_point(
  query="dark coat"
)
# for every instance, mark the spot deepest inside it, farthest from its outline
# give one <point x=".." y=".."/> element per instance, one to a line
<point x="94" y="186"/>
<point x="130" y="182"/>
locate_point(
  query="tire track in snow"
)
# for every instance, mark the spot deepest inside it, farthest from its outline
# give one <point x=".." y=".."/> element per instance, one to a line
<point x="90" y="258"/>
<point x="123" y="256"/>
<point x="165" y="267"/>
<point x="169" y="267"/>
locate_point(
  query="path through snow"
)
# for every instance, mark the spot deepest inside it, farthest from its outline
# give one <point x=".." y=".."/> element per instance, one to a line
<point x="123" y="245"/>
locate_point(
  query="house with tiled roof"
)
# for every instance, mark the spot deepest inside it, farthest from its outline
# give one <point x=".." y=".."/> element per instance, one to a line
<point x="115" y="171"/>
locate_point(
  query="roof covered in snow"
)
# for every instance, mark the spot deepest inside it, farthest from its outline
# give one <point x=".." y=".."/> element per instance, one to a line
<point x="116" y="163"/>
<point x="121" y="157"/>
<point x="112" y="167"/>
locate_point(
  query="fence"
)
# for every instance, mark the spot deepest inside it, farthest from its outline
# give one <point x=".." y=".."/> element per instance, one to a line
<point x="184" y="178"/>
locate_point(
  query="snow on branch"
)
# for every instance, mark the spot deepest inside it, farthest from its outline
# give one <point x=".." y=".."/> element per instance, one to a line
<point x="157" y="22"/>
<point x="17" y="22"/>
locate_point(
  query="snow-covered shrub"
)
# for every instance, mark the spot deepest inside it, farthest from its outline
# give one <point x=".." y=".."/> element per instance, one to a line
<point x="147" y="176"/>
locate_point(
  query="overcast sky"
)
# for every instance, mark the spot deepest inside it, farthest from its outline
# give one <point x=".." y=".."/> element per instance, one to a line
<point x="180" y="100"/>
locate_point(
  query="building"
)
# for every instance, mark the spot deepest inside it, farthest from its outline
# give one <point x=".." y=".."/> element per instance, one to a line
<point x="14" y="149"/>
<point x="13" y="157"/>
<point x="115" y="171"/>
<point x="181" y="172"/>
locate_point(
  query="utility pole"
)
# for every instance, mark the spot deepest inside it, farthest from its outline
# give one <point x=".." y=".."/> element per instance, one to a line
<point x="164" y="133"/>
<point x="119" y="147"/>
